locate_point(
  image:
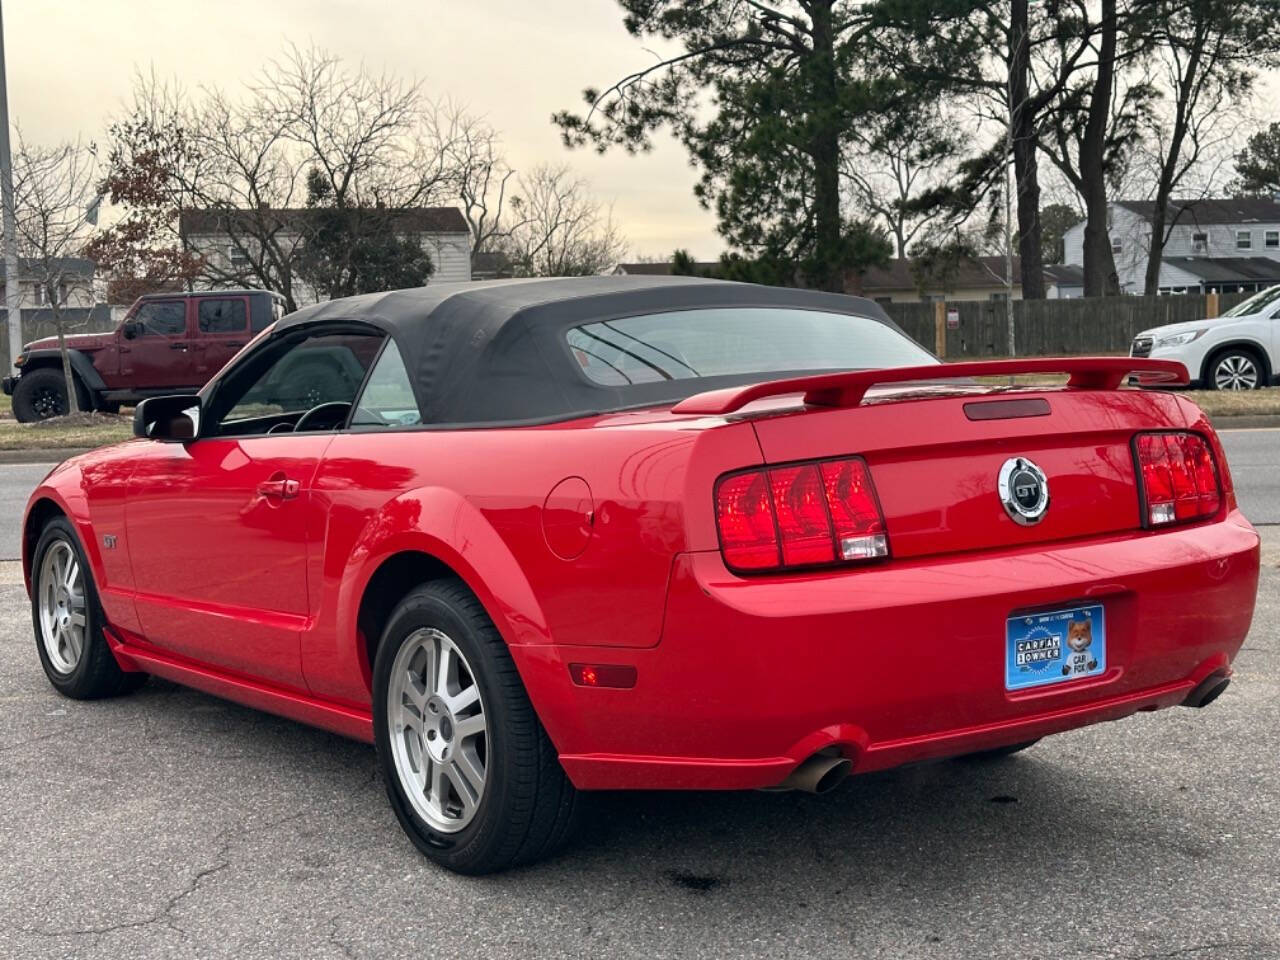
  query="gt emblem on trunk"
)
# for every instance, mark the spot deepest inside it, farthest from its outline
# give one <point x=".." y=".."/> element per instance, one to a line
<point x="1024" y="490"/>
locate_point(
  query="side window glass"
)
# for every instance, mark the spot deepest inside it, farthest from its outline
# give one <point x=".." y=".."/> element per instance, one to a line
<point x="165" y="318"/>
<point x="284" y="381"/>
<point x="388" y="398"/>
<point x="221" y="316"/>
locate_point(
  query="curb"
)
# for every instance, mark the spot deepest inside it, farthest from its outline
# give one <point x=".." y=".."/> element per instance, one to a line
<point x="51" y="455"/>
<point x="1247" y="422"/>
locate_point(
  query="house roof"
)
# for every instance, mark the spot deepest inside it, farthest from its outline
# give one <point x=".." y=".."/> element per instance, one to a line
<point x="662" y="268"/>
<point x="1228" y="269"/>
<point x="490" y="265"/>
<point x="1209" y="211"/>
<point x="968" y="273"/>
<point x="1064" y="274"/>
<point x="68" y="266"/>
<point x="411" y="220"/>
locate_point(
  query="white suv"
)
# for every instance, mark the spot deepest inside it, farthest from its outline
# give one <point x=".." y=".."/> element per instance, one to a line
<point x="1237" y="351"/>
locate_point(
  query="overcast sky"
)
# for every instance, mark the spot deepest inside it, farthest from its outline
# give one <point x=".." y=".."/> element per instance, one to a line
<point x="71" y="64"/>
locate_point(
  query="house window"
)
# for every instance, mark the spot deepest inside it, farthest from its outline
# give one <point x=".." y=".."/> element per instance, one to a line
<point x="1116" y="245"/>
<point x="238" y="256"/>
<point x="1272" y="241"/>
<point x="1244" y="240"/>
<point x="38" y="292"/>
<point x="1000" y="297"/>
<point x="1199" y="243"/>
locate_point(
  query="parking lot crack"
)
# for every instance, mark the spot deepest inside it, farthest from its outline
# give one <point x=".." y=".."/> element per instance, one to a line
<point x="161" y="916"/>
<point x="1191" y="951"/>
<point x="342" y="945"/>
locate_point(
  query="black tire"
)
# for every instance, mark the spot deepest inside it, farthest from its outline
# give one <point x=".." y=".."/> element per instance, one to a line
<point x="1000" y="752"/>
<point x="1235" y="369"/>
<point x="528" y="808"/>
<point x="96" y="674"/>
<point x="41" y="394"/>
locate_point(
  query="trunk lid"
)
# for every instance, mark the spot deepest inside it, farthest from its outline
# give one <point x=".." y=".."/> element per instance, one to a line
<point x="936" y="470"/>
<point x="936" y="453"/>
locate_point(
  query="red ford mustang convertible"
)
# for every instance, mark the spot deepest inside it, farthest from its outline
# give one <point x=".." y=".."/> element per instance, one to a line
<point x="537" y="537"/>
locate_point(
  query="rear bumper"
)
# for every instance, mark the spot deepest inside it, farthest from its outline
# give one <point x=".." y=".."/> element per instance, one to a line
<point x="891" y="664"/>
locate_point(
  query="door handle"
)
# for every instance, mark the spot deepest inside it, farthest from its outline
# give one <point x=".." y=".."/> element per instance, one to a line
<point x="178" y="346"/>
<point x="281" y="489"/>
<point x="235" y="346"/>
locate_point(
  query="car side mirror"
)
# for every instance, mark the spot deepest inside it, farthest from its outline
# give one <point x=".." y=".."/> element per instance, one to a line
<point x="175" y="418"/>
<point x="130" y="329"/>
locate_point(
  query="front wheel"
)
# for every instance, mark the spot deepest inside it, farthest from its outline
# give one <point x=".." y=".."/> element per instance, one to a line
<point x="68" y="620"/>
<point x="469" y="771"/>
<point x="1236" y="370"/>
<point x="41" y="394"/>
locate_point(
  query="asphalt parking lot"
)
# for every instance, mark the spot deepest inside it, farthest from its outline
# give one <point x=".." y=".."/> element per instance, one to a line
<point x="172" y="824"/>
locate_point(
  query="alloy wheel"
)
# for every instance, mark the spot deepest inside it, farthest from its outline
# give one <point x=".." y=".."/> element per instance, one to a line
<point x="47" y="403"/>
<point x="62" y="606"/>
<point x="439" y="734"/>
<point x="1236" y="372"/>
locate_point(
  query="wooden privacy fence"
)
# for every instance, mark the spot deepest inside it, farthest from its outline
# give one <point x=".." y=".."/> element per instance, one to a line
<point x="1047" y="327"/>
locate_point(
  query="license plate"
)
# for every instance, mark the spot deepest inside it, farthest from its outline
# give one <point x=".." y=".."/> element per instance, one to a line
<point x="1044" y="648"/>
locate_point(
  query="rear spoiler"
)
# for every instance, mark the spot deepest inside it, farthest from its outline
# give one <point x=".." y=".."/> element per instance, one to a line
<point x="847" y="389"/>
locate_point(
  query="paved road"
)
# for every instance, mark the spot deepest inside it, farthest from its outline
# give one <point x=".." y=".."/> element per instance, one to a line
<point x="17" y="480"/>
<point x="1254" y="457"/>
<point x="171" y="824"/>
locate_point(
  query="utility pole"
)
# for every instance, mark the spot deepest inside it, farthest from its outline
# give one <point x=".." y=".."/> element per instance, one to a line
<point x="12" y="292"/>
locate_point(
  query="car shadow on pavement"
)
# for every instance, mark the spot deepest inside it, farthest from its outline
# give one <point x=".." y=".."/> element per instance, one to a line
<point x="935" y="827"/>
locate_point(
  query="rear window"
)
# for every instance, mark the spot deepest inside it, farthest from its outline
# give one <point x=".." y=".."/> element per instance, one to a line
<point x="691" y="344"/>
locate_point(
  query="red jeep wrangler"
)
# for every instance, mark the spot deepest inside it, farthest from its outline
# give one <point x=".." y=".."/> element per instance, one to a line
<point x="167" y="343"/>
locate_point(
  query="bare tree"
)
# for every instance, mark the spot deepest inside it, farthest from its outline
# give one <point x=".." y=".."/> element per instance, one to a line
<point x="1203" y="66"/>
<point x="307" y="133"/>
<point x="893" y="162"/>
<point x="55" y="198"/>
<point x="485" y="184"/>
<point x="562" y="230"/>
<point x="150" y="169"/>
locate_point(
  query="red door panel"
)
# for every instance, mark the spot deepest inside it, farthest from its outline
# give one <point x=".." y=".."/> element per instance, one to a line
<point x="218" y="533"/>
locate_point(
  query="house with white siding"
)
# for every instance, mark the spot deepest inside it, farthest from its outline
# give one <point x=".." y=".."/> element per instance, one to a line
<point x="225" y="239"/>
<point x="1224" y="246"/>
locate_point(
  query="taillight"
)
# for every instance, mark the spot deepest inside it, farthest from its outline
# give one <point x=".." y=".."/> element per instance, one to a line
<point x="800" y="515"/>
<point x="1179" y="478"/>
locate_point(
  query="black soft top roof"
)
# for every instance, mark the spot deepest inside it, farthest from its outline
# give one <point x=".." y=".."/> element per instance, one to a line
<point x="495" y="352"/>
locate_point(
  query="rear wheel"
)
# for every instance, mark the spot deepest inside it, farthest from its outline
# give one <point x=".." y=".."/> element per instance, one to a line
<point x="41" y="394"/>
<point x="1236" y="369"/>
<point x="68" y="620"/>
<point x="468" y="768"/>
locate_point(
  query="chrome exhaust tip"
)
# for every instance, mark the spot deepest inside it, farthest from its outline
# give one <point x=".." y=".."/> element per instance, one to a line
<point x="1208" y="690"/>
<point x="819" y="774"/>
